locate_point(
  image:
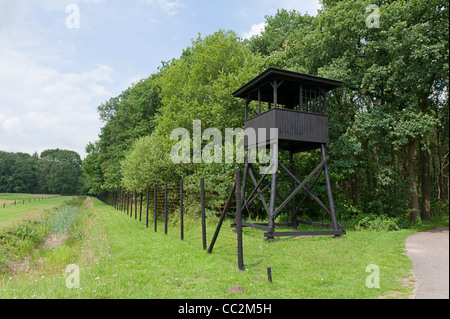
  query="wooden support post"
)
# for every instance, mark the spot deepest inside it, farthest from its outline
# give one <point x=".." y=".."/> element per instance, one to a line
<point x="246" y="168"/>
<point x="269" y="274"/>
<point x="222" y="217"/>
<point x="181" y="211"/>
<point x="329" y="191"/>
<point x="273" y="197"/>
<point x="259" y="101"/>
<point x="239" y="221"/>
<point x="202" y="198"/>
<point x="275" y="93"/>
<point x="301" y="98"/>
<point x="294" y="206"/>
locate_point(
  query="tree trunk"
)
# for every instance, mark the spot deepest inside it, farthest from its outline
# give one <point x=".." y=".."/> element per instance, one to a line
<point x="354" y="190"/>
<point x="411" y="175"/>
<point x="426" y="186"/>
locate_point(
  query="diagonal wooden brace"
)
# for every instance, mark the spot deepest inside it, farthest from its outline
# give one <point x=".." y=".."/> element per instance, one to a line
<point x="302" y="185"/>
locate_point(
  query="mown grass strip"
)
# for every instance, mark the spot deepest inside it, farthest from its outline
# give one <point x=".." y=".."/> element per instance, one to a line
<point x="118" y="257"/>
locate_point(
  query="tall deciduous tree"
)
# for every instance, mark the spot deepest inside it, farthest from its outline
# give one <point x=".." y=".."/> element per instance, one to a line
<point x="396" y="76"/>
<point x="127" y="117"/>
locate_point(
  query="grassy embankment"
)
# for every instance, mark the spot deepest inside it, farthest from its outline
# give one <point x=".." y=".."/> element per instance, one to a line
<point x="119" y="257"/>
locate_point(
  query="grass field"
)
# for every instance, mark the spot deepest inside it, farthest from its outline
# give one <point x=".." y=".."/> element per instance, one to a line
<point x="32" y="206"/>
<point x="118" y="257"/>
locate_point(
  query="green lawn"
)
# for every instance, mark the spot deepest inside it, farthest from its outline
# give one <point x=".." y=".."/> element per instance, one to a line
<point x="118" y="257"/>
<point x="31" y="207"/>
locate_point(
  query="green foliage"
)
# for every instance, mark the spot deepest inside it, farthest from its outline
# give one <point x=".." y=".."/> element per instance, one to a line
<point x="64" y="220"/>
<point x="373" y="222"/>
<point x="21" y="239"/>
<point x="128" y="117"/>
<point x="195" y="87"/>
<point x="55" y="171"/>
<point x="148" y="163"/>
<point x="18" y="173"/>
<point x="394" y="102"/>
<point x="18" y="240"/>
<point x="28" y="231"/>
<point x="198" y="86"/>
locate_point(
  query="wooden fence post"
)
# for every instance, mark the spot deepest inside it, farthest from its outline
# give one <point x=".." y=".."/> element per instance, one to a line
<point x="123" y="201"/>
<point x="181" y="211"/>
<point x="239" y="221"/>
<point x="131" y="209"/>
<point x="202" y="198"/>
<point x="165" y="209"/>
<point x="128" y="201"/>
<point x="146" y="220"/>
<point x="135" y="204"/>
<point x="155" y="203"/>
<point x="140" y="207"/>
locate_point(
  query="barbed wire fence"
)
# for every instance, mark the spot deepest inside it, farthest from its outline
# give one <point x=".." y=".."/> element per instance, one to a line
<point x="196" y="209"/>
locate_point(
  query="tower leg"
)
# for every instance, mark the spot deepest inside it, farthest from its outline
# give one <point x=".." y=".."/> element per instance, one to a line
<point x="244" y="180"/>
<point x="329" y="192"/>
<point x="244" y="183"/>
<point x="293" y="207"/>
<point x="273" y="193"/>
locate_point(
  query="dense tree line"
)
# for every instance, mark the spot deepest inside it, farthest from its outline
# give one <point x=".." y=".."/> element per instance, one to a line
<point x="389" y="123"/>
<point x="53" y="172"/>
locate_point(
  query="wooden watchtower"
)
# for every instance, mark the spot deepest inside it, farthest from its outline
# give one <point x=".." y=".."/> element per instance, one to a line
<point x="296" y="105"/>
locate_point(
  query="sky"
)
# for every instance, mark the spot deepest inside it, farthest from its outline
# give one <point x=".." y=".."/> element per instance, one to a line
<point x="60" y="59"/>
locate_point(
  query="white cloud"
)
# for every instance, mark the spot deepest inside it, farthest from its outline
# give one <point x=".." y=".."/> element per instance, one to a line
<point x="42" y="108"/>
<point x="256" y="29"/>
<point x="169" y="7"/>
<point x="12" y="126"/>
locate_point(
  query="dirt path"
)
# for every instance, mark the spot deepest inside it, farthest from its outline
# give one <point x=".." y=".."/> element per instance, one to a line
<point x="429" y="252"/>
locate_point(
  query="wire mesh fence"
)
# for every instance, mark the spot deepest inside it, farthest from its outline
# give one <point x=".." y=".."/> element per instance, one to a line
<point x="195" y="209"/>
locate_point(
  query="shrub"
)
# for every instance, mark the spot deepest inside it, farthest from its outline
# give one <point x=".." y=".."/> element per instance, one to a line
<point x="64" y="220"/>
<point x="374" y="222"/>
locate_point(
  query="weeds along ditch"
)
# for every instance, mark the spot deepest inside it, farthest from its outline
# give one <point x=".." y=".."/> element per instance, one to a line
<point x="21" y="239"/>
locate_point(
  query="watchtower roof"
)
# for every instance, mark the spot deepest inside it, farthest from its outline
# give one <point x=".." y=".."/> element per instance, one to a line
<point x="291" y="81"/>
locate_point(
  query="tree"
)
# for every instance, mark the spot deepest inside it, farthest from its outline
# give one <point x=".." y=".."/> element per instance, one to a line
<point x="64" y="171"/>
<point x="198" y="86"/>
<point x="63" y="178"/>
<point x="395" y="86"/>
<point x="18" y="173"/>
<point x="388" y="123"/>
<point x="56" y="171"/>
<point x="127" y="117"/>
<point x="148" y="163"/>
